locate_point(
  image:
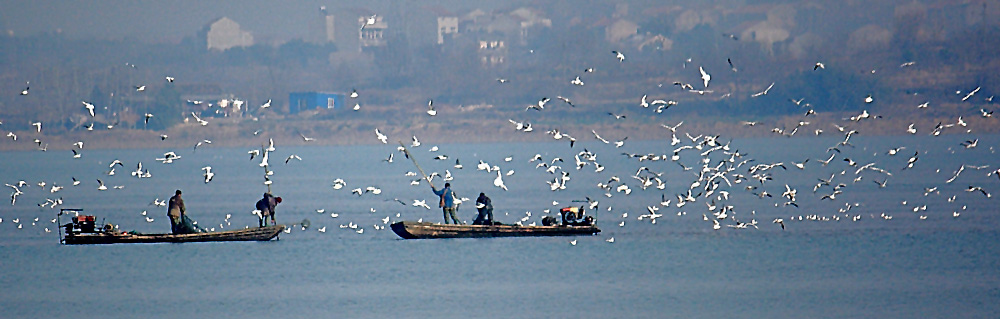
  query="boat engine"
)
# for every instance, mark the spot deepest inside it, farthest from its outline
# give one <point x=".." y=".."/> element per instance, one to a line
<point x="574" y="216"/>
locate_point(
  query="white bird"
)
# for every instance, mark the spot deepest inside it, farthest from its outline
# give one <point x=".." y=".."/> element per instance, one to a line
<point x="38" y="126"/>
<point x="101" y="187"/>
<point x="764" y="92"/>
<point x="263" y="160"/>
<point x="266" y="104"/>
<point x="202" y="142"/>
<point x="619" y="55"/>
<point x="973" y="92"/>
<point x="27" y="86"/>
<point x="198" y="119"/>
<point x="270" y="145"/>
<point x="415" y="142"/>
<point x="430" y="108"/>
<point x="498" y="182"/>
<point x="138" y="173"/>
<point x="970" y="143"/>
<point x="566" y="100"/>
<point x="369" y="21"/>
<point x="381" y="137"/>
<point x="576" y="81"/>
<point x="705" y="77"/>
<point x="339" y="183"/>
<point x="421" y="203"/>
<point x="291" y="157"/>
<point x="90" y="108"/>
<point x="208" y="174"/>
<point x="620" y="142"/>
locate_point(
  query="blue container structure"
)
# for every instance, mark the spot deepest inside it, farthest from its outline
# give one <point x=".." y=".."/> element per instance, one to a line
<point x="303" y="101"/>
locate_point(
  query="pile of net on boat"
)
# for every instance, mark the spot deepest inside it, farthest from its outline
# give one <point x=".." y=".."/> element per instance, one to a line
<point x="189" y="226"/>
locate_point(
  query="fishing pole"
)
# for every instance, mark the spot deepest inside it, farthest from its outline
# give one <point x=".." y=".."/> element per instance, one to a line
<point x="407" y="152"/>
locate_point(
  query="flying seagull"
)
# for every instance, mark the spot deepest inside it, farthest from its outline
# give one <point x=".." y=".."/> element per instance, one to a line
<point x="430" y="108"/>
<point x="619" y="55"/>
<point x="764" y="92"/>
<point x="705" y="77"/>
<point x="90" y="108"/>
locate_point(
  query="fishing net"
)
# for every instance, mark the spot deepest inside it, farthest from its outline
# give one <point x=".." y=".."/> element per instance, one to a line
<point x="189" y="226"/>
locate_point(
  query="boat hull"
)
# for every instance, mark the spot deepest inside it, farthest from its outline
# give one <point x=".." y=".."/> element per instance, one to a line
<point x="424" y="230"/>
<point x="248" y="234"/>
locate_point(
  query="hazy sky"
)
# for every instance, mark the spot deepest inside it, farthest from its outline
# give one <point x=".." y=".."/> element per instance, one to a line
<point x="170" y="20"/>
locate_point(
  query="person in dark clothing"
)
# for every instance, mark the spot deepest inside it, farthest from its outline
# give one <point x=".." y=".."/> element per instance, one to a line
<point x="266" y="207"/>
<point x="180" y="223"/>
<point x="175" y="210"/>
<point x="485" y="207"/>
<point x="447" y="202"/>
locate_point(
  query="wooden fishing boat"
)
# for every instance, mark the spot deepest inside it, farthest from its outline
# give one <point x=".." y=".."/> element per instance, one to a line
<point x="111" y="237"/>
<point x="425" y="230"/>
<point x="84" y="231"/>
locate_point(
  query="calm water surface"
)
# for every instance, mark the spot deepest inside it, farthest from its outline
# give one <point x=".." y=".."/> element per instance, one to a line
<point x="904" y="267"/>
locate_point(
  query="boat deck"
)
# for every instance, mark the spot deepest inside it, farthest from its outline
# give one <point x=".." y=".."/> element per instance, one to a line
<point x="425" y="230"/>
<point x="247" y="234"/>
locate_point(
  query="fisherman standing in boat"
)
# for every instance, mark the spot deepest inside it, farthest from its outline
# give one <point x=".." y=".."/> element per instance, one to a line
<point x="447" y="202"/>
<point x="180" y="223"/>
<point x="485" y="207"/>
<point x="175" y="210"/>
<point x="266" y="207"/>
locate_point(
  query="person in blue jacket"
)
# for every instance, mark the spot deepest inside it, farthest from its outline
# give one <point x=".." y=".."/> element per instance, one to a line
<point x="447" y="202"/>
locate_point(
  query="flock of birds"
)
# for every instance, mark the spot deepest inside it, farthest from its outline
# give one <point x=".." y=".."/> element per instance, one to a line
<point x="706" y="174"/>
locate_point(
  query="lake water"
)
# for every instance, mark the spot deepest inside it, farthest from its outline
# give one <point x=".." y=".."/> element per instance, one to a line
<point x="879" y="258"/>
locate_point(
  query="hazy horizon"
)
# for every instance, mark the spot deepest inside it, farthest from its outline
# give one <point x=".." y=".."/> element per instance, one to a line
<point x="171" y="21"/>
